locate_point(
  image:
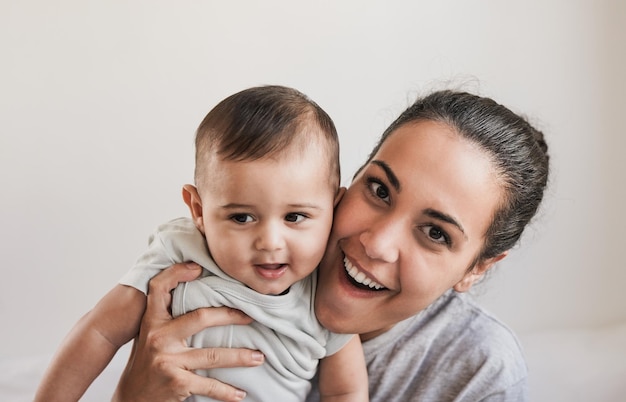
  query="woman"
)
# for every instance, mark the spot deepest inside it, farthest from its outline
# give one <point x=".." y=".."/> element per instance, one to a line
<point x="444" y="195"/>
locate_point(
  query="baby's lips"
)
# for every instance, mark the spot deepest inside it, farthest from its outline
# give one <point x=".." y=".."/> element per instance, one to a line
<point x="270" y="266"/>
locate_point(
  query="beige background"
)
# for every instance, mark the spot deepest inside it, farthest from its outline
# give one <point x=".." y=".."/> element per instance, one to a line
<point x="99" y="102"/>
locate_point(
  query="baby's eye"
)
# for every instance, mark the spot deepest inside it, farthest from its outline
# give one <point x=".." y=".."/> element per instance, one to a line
<point x="241" y="218"/>
<point x="436" y="234"/>
<point x="295" y="217"/>
<point x="378" y="189"/>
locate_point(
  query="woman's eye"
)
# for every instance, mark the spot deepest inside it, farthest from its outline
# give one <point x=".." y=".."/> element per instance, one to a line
<point x="379" y="190"/>
<point x="241" y="218"/>
<point x="436" y="234"/>
<point x="295" y="217"/>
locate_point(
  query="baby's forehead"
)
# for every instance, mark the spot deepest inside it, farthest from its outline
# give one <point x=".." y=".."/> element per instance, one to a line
<point x="267" y="186"/>
<point x="312" y="165"/>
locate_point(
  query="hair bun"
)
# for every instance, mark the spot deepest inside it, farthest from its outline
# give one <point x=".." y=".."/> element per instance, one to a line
<point x="540" y="140"/>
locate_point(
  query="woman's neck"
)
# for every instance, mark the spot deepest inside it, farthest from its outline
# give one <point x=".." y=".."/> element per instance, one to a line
<point x="373" y="334"/>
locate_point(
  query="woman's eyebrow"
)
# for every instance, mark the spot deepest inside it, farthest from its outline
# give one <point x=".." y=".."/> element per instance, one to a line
<point x="446" y="218"/>
<point x="391" y="176"/>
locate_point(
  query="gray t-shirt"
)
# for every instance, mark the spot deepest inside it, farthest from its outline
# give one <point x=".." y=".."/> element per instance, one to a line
<point x="451" y="351"/>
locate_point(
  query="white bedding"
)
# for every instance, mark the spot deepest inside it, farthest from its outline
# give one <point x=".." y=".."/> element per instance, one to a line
<point x="569" y="366"/>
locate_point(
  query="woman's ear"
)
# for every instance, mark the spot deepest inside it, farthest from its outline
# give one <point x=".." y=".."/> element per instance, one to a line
<point x="471" y="277"/>
<point x="193" y="201"/>
<point x="340" y="192"/>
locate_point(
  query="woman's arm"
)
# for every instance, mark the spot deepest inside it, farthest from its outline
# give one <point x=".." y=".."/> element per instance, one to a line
<point x="343" y="375"/>
<point x="161" y="364"/>
<point x="91" y="345"/>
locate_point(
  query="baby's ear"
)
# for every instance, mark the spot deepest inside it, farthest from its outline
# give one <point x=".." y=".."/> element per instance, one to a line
<point x="193" y="201"/>
<point x="340" y="192"/>
<point x="477" y="272"/>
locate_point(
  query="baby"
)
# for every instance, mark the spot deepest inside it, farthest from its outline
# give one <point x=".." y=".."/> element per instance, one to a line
<point x="266" y="183"/>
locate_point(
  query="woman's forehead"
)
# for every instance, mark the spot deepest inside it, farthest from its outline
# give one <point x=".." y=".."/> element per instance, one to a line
<point x="432" y="144"/>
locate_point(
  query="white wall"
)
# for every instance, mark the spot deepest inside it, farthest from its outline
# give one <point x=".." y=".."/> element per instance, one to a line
<point x="99" y="102"/>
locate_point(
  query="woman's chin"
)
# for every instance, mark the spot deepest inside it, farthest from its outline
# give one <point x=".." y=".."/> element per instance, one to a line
<point x="329" y="314"/>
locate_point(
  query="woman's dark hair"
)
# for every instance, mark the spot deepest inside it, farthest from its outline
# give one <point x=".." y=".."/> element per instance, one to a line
<point x="517" y="150"/>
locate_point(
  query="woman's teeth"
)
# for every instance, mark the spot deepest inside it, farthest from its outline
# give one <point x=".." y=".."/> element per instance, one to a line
<point x="359" y="276"/>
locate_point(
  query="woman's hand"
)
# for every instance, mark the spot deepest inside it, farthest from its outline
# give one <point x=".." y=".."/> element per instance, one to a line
<point x="161" y="364"/>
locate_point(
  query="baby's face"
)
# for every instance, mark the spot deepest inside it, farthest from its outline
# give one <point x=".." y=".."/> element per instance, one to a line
<point x="267" y="221"/>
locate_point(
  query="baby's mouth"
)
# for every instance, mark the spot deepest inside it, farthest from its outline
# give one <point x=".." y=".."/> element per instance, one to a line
<point x="359" y="278"/>
<point x="271" y="271"/>
<point x="270" y="266"/>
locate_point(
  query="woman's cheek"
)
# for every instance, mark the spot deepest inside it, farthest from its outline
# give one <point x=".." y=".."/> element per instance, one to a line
<point x="350" y="215"/>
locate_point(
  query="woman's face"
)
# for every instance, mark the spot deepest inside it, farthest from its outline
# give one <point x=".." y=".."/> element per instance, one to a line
<point x="408" y="228"/>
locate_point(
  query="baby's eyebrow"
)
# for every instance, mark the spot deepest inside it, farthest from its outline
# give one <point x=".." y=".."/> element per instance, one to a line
<point x="391" y="176"/>
<point x="234" y="205"/>
<point x="305" y="205"/>
<point x="296" y="205"/>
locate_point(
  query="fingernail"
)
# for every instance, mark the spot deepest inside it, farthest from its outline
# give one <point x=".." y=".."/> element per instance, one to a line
<point x="191" y="265"/>
<point x="258" y="356"/>
<point x="239" y="394"/>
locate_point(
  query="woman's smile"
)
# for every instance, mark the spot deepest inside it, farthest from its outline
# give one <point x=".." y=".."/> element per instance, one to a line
<point x="360" y="278"/>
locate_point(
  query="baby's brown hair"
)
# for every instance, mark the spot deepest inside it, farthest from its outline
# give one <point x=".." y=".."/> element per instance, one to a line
<point x="262" y="122"/>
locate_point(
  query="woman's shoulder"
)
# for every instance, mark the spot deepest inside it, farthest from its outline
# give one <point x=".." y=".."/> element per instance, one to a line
<point x="454" y="322"/>
<point x="454" y="345"/>
<point x="458" y="320"/>
<point x="482" y="347"/>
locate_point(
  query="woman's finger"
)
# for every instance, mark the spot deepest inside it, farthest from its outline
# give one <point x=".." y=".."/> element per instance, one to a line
<point x="159" y="296"/>
<point x="207" y="358"/>
<point x="212" y="388"/>
<point x="195" y="321"/>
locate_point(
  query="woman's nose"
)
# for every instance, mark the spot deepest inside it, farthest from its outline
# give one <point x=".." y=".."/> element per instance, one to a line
<point x="381" y="240"/>
<point x="269" y="238"/>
